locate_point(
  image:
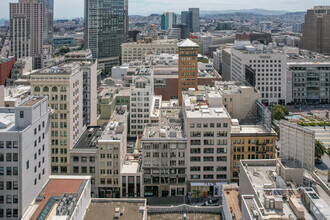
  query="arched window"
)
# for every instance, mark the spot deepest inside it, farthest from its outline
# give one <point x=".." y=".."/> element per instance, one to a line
<point x="54" y="89"/>
<point x="46" y="89"/>
<point x="37" y="89"/>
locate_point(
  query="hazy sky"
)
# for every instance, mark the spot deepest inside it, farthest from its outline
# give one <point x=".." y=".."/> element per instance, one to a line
<point x="75" y="8"/>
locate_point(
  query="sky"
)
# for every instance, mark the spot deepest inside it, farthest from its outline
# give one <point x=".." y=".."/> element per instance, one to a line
<point x="75" y="8"/>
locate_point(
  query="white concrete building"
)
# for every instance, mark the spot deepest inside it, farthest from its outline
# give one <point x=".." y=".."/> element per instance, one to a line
<point x="142" y="97"/>
<point x="298" y="144"/>
<point x="217" y="60"/>
<point x="207" y="126"/>
<point x="263" y="68"/>
<point x="24" y="155"/>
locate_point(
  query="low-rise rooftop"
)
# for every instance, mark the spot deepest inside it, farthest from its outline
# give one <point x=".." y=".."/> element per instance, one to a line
<point x="129" y="209"/>
<point x="115" y="129"/>
<point x="167" y="126"/>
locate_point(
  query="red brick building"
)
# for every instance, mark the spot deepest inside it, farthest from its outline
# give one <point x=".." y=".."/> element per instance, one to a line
<point x="6" y="64"/>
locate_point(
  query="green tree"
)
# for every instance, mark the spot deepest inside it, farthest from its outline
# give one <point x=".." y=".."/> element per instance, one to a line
<point x="320" y="149"/>
<point x="279" y="112"/>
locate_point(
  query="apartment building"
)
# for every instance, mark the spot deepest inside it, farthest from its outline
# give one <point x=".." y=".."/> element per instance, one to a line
<point x="310" y="81"/>
<point x="207" y="126"/>
<point x="112" y="149"/>
<point x="137" y="50"/>
<point x="24" y="155"/>
<point x="164" y="148"/>
<point x="142" y="98"/>
<point x="250" y="142"/>
<point x="188" y="66"/>
<point x="63" y="85"/>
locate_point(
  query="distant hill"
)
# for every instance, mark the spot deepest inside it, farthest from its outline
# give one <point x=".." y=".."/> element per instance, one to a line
<point x="257" y="11"/>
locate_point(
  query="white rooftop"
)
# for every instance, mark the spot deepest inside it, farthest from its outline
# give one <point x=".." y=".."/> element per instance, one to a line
<point x="187" y="43"/>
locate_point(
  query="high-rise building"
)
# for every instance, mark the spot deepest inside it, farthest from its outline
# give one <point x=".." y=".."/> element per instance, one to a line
<point x="70" y="87"/>
<point x="168" y="19"/>
<point x="191" y="18"/>
<point x="49" y="20"/>
<point x="188" y="66"/>
<point x="102" y="37"/>
<point x="27" y="28"/>
<point x="316" y="30"/>
<point x="186" y="18"/>
<point x="126" y="19"/>
<point x="195" y="19"/>
<point x="24" y="155"/>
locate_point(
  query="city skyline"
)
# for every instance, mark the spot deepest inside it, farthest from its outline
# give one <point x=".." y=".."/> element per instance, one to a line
<point x="75" y="8"/>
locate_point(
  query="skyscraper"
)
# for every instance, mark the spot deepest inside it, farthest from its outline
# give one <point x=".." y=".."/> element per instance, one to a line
<point x="126" y="20"/>
<point x="195" y="19"/>
<point x="49" y="20"/>
<point x="188" y="66"/>
<point x="316" y="30"/>
<point x="27" y="28"/>
<point x="105" y="27"/>
<point x="191" y="18"/>
<point x="168" y="19"/>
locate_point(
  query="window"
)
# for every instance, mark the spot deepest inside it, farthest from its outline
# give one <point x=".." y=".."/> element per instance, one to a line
<point x="208" y="176"/>
<point x="75" y="169"/>
<point x="21" y="114"/>
<point x="195" y="150"/>
<point x="83" y="169"/>
<point x="195" y="142"/>
<point x="2" y="144"/>
<point x="83" y="159"/>
<point x="221" y="150"/>
<point x="208" y="168"/>
<point x="221" y="176"/>
<point x="195" y="159"/>
<point x="208" y="150"/>
<point x="8" y="157"/>
<point x="91" y="159"/>
<point x="208" y="159"/>
<point x="76" y="159"/>
<point x="222" y="158"/>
